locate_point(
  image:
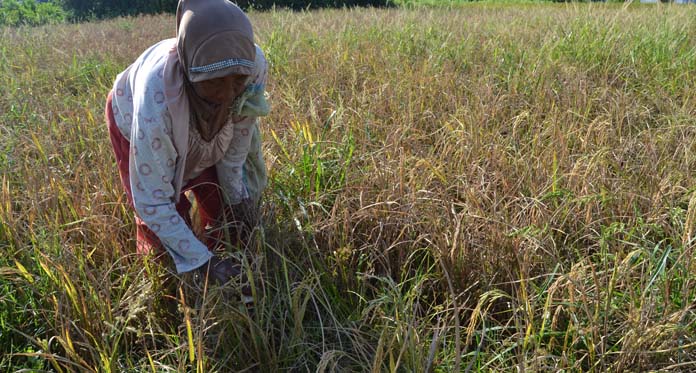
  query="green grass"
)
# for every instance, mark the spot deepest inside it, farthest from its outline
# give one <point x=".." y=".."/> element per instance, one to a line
<point x="484" y="188"/>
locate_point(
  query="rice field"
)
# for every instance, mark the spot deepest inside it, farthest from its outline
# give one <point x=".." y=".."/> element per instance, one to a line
<point x="476" y="188"/>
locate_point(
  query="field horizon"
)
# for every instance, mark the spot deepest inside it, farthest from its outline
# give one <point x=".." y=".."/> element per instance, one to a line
<point x="477" y="188"/>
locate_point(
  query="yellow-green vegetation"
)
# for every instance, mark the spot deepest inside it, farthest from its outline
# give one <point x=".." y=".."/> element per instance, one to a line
<point x="487" y="188"/>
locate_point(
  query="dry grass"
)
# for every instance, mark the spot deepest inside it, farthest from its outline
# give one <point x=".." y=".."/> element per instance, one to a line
<point x="493" y="188"/>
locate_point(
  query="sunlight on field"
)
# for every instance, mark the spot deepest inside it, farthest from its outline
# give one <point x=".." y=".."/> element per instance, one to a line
<point x="487" y="188"/>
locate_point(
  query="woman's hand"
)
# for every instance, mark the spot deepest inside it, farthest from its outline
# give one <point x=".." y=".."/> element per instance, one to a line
<point x="241" y="219"/>
<point x="219" y="271"/>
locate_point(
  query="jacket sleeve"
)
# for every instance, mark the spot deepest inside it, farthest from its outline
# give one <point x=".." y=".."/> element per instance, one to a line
<point x="230" y="168"/>
<point x="152" y="166"/>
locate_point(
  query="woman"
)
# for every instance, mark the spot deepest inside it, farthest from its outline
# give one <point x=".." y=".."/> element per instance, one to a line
<point x="183" y="117"/>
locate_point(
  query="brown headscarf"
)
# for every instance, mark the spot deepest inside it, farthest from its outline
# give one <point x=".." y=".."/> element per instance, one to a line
<point x="214" y="39"/>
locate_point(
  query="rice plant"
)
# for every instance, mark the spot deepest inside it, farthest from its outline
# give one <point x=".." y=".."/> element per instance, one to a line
<point x="476" y="188"/>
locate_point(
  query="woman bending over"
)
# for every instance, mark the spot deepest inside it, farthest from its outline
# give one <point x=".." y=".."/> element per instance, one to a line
<point x="184" y="117"/>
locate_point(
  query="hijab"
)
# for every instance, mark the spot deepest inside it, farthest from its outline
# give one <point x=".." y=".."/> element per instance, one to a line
<point x="214" y="39"/>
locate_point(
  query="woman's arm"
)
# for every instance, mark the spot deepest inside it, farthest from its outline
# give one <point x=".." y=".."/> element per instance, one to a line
<point x="231" y="168"/>
<point x="152" y="167"/>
